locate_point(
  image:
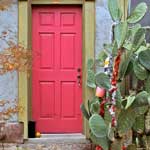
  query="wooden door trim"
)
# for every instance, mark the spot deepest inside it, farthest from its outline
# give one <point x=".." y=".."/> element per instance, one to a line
<point x="25" y="34"/>
<point x="57" y="2"/>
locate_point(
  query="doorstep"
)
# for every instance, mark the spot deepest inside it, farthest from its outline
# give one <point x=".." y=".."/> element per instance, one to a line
<point x="53" y="142"/>
<point x="60" y="138"/>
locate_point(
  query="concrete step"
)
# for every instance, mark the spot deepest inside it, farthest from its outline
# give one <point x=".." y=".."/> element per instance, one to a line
<point x="60" y="138"/>
<point x="53" y="142"/>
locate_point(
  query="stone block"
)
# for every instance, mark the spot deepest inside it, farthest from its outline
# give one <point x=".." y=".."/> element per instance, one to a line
<point x="11" y="132"/>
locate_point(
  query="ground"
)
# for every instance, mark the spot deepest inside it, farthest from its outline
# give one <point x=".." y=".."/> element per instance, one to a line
<point x="52" y="142"/>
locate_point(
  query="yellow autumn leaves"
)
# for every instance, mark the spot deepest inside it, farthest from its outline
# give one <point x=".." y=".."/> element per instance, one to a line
<point x="15" y="58"/>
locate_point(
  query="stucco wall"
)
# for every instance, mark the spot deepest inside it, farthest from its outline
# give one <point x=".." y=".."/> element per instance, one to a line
<point x="9" y="32"/>
<point x="103" y="25"/>
<point x="8" y="35"/>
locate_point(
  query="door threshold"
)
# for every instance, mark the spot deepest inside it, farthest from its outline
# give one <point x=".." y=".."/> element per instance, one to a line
<point x="60" y="138"/>
<point x="63" y="135"/>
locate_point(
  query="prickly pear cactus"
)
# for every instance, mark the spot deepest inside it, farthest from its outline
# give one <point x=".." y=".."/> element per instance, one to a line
<point x="147" y="122"/>
<point x="111" y="114"/>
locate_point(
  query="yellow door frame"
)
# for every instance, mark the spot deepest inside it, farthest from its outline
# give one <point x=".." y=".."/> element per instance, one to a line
<point x="25" y="34"/>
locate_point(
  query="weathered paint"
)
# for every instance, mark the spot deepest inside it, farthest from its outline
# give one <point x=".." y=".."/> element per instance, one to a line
<point x="88" y="51"/>
<point x="5" y="4"/>
<point x="8" y="35"/>
<point x="103" y="25"/>
<point x="23" y="77"/>
<point x="9" y="24"/>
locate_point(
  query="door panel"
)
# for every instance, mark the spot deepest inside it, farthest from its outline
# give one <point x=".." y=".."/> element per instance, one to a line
<point x="45" y="95"/>
<point x="67" y="51"/>
<point x="46" y="51"/>
<point x="68" y="99"/>
<point x="57" y="55"/>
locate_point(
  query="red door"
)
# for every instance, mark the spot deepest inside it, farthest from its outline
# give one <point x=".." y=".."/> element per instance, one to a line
<point x="57" y="62"/>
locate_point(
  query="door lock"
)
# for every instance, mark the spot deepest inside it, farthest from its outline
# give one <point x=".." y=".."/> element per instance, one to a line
<point x="79" y="69"/>
<point x="79" y="77"/>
